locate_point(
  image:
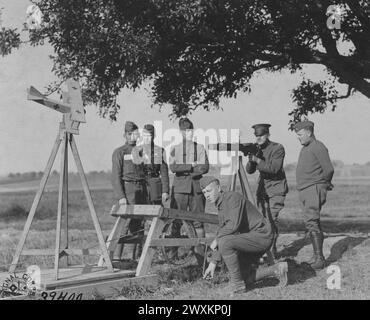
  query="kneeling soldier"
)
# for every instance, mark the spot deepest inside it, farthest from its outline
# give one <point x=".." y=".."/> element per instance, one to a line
<point x="242" y="231"/>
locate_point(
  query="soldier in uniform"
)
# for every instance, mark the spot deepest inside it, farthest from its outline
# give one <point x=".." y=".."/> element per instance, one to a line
<point x="155" y="168"/>
<point x="314" y="174"/>
<point x="272" y="183"/>
<point x="129" y="186"/>
<point x="242" y="231"/>
<point x="188" y="161"/>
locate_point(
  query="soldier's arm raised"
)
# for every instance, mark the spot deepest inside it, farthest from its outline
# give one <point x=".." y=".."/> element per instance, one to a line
<point x="274" y="164"/>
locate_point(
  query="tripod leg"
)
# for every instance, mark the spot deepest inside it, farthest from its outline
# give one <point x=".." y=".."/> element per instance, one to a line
<point x="244" y="191"/>
<point x="35" y="204"/>
<point x="94" y="216"/>
<point x="65" y="197"/>
<point x="244" y="181"/>
<point x="60" y="207"/>
<point x="233" y="182"/>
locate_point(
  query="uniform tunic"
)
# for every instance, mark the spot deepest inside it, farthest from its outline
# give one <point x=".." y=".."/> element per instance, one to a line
<point x="187" y="194"/>
<point x="242" y="228"/>
<point x="314" y="174"/>
<point x="128" y="180"/>
<point x="272" y="183"/>
<point x="124" y="169"/>
<point x="314" y="165"/>
<point x="156" y="171"/>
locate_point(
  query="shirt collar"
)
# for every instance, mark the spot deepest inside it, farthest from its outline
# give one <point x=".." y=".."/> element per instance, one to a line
<point x="263" y="146"/>
<point x="310" y="141"/>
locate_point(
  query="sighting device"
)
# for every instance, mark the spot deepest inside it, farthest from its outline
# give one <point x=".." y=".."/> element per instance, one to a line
<point x="245" y="148"/>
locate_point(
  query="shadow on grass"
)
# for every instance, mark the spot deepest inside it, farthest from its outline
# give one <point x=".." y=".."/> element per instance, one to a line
<point x="328" y="225"/>
<point x="345" y="245"/>
<point x="298" y="272"/>
<point x="336" y="251"/>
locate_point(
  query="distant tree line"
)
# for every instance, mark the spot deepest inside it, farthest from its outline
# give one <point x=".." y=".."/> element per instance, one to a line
<point x="36" y="175"/>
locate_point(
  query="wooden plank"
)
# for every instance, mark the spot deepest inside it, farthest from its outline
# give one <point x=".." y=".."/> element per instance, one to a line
<point x="87" y="278"/>
<point x="113" y="239"/>
<point x="77" y="109"/>
<point x="189" y="215"/>
<point x="92" y="291"/>
<point x="94" y="216"/>
<point x="60" y="207"/>
<point x="35" y="204"/>
<point x="145" y="261"/>
<point x="146" y="211"/>
<point x="136" y="210"/>
<point x="50" y="252"/>
<point x="176" y="242"/>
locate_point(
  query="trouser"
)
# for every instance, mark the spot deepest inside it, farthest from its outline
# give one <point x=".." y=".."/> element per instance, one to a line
<point x="136" y="193"/>
<point x="248" y="246"/>
<point x="312" y="199"/>
<point x="271" y="206"/>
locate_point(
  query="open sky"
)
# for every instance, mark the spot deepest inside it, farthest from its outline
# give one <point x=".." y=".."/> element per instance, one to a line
<point x="28" y="130"/>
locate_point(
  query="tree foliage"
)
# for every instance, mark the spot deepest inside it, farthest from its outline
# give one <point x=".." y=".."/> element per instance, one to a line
<point x="194" y="52"/>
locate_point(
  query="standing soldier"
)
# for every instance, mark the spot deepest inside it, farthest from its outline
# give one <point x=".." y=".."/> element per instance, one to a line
<point x="188" y="161"/>
<point x="314" y="174"/>
<point x="155" y="167"/>
<point x="129" y="185"/>
<point x="272" y="183"/>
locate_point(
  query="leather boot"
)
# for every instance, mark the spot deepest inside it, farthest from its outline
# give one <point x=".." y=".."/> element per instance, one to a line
<point x="317" y="239"/>
<point x="313" y="257"/>
<point x="278" y="271"/>
<point x="274" y="241"/>
<point x="237" y="284"/>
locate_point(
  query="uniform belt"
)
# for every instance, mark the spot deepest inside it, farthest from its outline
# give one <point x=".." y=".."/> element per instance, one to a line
<point x="134" y="181"/>
<point x="183" y="174"/>
<point x="153" y="175"/>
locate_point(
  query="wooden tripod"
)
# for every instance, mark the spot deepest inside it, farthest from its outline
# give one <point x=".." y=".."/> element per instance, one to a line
<point x="64" y="136"/>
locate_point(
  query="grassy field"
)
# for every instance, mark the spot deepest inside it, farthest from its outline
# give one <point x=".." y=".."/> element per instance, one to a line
<point x="347" y="211"/>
